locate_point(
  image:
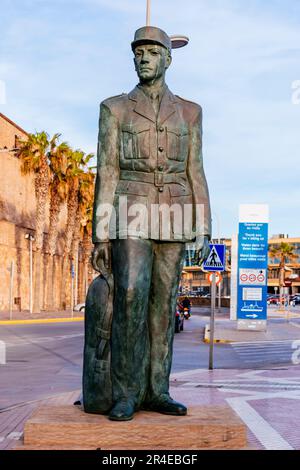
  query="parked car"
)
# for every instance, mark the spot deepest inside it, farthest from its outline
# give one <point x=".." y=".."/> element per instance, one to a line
<point x="79" y="308"/>
<point x="295" y="300"/>
<point x="274" y="300"/>
<point x="277" y="300"/>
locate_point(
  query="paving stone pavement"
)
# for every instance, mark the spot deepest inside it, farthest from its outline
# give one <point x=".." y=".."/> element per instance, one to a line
<point x="13" y="419"/>
<point x="267" y="401"/>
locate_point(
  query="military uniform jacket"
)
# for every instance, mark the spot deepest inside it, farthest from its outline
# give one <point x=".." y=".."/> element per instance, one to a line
<point x="151" y="161"/>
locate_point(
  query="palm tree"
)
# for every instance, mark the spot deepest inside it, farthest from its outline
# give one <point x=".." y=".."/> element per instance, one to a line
<point x="77" y="162"/>
<point x="33" y="154"/>
<point x="58" y="195"/>
<point x="86" y="233"/>
<point x="284" y="252"/>
<point x="84" y="214"/>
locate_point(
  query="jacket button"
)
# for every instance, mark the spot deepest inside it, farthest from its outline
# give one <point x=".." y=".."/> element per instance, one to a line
<point x="160" y="168"/>
<point x="160" y="190"/>
<point x="161" y="129"/>
<point x="161" y="149"/>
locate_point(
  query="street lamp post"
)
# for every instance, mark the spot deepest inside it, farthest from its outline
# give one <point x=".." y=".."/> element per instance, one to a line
<point x="30" y="237"/>
<point x="148" y="12"/>
<point x="11" y="288"/>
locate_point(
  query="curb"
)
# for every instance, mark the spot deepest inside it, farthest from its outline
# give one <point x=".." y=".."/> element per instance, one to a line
<point x="45" y="320"/>
<point x="206" y="338"/>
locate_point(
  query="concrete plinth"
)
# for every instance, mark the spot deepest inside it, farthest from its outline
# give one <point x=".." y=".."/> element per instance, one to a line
<point x="68" y="427"/>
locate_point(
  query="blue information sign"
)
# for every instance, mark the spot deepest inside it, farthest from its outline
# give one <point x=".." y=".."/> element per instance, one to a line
<point x="216" y="259"/>
<point x="252" y="271"/>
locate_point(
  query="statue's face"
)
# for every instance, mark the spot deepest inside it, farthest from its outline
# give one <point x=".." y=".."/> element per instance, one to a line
<point x="151" y="61"/>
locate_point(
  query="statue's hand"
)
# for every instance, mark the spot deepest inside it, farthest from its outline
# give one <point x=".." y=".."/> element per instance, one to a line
<point x="101" y="258"/>
<point x="202" y="250"/>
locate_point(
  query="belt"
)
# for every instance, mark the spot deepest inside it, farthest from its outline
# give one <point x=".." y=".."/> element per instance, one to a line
<point x="158" y="178"/>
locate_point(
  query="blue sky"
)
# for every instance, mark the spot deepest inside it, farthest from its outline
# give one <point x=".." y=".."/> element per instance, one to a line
<point x="60" y="58"/>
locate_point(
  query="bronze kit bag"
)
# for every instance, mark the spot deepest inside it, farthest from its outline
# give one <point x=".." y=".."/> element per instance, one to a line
<point x="97" y="388"/>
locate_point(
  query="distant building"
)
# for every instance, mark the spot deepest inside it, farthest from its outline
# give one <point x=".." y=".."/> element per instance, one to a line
<point x="292" y="268"/>
<point x="17" y="218"/>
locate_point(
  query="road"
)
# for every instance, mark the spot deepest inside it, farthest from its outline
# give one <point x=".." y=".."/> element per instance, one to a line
<point x="41" y="360"/>
<point x="46" y="359"/>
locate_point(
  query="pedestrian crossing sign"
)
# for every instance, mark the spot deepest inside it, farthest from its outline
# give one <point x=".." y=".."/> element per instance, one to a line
<point x="216" y="259"/>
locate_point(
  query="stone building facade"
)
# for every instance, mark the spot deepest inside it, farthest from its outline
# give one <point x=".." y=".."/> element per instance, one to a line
<point x="17" y="219"/>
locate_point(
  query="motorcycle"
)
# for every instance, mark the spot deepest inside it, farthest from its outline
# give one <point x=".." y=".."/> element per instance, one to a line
<point x="187" y="313"/>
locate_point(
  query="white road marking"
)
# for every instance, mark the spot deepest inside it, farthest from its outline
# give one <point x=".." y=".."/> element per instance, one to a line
<point x="179" y="375"/>
<point x="43" y="340"/>
<point x="266" y="353"/>
<point x="257" y="377"/>
<point x="262" y="348"/>
<point x="243" y="385"/>
<point x="250" y="353"/>
<point x="263" y="431"/>
<point x="254" y="343"/>
<point x="2" y="352"/>
<point x="15" y="436"/>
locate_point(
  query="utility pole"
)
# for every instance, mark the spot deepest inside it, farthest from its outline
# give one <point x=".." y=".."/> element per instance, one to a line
<point x="72" y="288"/>
<point x="11" y="287"/>
<point x="148" y="12"/>
<point x="30" y="237"/>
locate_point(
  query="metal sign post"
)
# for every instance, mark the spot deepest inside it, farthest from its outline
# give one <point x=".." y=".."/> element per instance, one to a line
<point x="212" y="322"/>
<point x="215" y="263"/>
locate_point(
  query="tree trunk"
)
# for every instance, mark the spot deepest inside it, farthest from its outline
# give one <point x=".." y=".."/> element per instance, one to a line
<point x="55" y="208"/>
<point x="48" y="299"/>
<point x="281" y="284"/>
<point x="66" y="274"/>
<point x="41" y="191"/>
<point x="37" y="269"/>
<point x="74" y="256"/>
<point x="87" y="249"/>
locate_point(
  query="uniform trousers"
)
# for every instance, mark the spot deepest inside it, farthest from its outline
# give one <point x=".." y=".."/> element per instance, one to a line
<point x="146" y="278"/>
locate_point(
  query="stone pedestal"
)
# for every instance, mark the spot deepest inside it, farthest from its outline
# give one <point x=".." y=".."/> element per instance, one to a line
<point x="68" y="427"/>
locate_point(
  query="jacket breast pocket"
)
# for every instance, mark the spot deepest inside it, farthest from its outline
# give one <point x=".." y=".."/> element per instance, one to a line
<point x="177" y="143"/>
<point x="135" y="142"/>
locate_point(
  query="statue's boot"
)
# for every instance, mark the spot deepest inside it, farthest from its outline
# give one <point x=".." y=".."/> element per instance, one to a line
<point x="123" y="410"/>
<point x="165" y="405"/>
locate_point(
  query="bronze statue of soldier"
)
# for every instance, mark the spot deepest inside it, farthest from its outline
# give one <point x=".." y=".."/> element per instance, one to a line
<point x="149" y="155"/>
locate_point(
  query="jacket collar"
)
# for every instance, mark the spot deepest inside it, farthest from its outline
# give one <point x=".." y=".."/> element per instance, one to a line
<point x="144" y="107"/>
